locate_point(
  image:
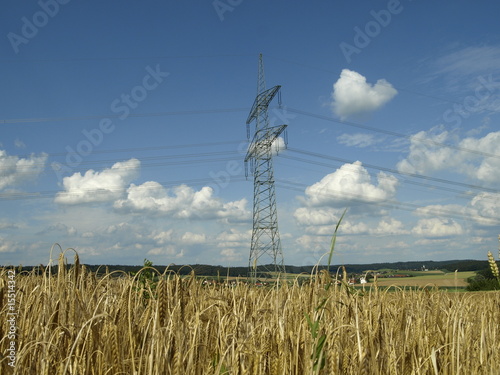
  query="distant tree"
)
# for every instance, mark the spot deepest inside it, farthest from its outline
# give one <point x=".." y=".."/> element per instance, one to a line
<point x="479" y="282"/>
<point x="483" y="280"/>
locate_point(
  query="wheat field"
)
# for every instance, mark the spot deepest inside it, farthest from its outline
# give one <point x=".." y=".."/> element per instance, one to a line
<point x="71" y="321"/>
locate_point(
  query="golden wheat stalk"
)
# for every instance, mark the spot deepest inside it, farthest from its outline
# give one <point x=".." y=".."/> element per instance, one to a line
<point x="493" y="266"/>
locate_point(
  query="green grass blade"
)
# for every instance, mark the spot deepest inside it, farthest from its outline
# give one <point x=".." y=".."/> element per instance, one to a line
<point x="334" y="239"/>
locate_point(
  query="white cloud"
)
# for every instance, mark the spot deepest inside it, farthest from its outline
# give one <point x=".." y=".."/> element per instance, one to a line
<point x="488" y="168"/>
<point x="234" y="238"/>
<point x="485" y="208"/>
<point x="389" y="226"/>
<point x="181" y="202"/>
<point x="315" y="216"/>
<point x="440" y="210"/>
<point x="312" y="245"/>
<point x="350" y="227"/>
<point x="107" y="185"/>
<point x="170" y="250"/>
<point x="437" y="227"/>
<point x="351" y="182"/>
<point x="352" y="95"/>
<point x="426" y="156"/>
<point x="190" y="238"/>
<point x="164" y="237"/>
<point x="7" y="246"/>
<point x="15" y="170"/>
<point x="234" y="245"/>
<point x="360" y="140"/>
<point x="278" y="145"/>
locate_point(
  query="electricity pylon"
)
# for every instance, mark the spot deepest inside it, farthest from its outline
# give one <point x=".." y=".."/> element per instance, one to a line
<point x="265" y="251"/>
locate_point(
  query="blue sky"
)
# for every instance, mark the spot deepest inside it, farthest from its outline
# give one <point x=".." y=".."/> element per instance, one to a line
<point x="123" y="129"/>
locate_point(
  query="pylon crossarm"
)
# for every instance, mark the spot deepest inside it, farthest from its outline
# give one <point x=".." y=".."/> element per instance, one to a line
<point x="261" y="102"/>
<point x="264" y="141"/>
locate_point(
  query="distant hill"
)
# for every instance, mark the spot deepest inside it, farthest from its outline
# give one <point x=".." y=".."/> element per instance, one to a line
<point x="209" y="270"/>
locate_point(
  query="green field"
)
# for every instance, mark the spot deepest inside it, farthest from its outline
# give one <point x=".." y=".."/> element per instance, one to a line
<point x="428" y="278"/>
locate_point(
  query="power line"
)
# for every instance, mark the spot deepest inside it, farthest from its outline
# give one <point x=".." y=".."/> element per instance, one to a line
<point x="138" y="149"/>
<point x="387" y="203"/>
<point x="380" y="83"/>
<point x="120" y="58"/>
<point x="293" y="110"/>
<point x="139" y="58"/>
<point x="166" y="184"/>
<point x="392" y="133"/>
<point x="390" y="170"/>
<point x="115" y="115"/>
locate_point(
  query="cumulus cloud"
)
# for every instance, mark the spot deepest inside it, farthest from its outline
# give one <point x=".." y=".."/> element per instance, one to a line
<point x="315" y="216"/>
<point x="485" y="208"/>
<point x="234" y="245"/>
<point x="163" y="237"/>
<point x="181" y="202"/>
<point x="15" y="170"/>
<point x="312" y="245"/>
<point x="386" y="226"/>
<point x="190" y="238"/>
<point x="7" y="246"/>
<point x="169" y="250"/>
<point x="108" y="185"/>
<point x="427" y="155"/>
<point x="349" y="183"/>
<point x="437" y="227"/>
<point x="352" y="95"/>
<point x="440" y="210"/>
<point x="487" y="168"/>
<point x="234" y="238"/>
<point x="278" y="145"/>
<point x="389" y="226"/>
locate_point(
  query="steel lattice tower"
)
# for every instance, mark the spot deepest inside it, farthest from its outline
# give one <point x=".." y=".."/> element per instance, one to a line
<point x="265" y="251"/>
